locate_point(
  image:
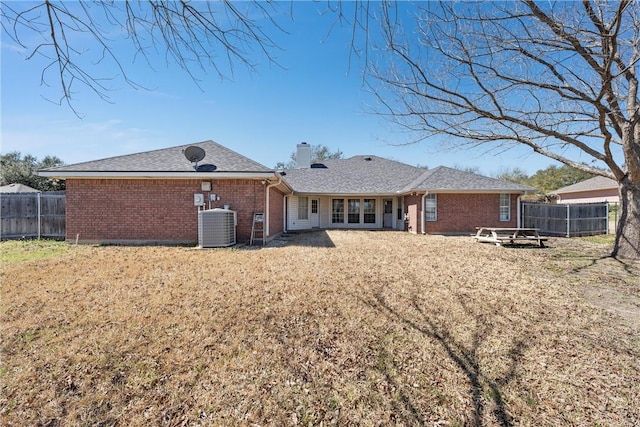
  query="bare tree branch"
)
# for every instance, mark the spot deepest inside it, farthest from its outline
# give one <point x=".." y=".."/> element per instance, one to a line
<point x="196" y="36"/>
<point x="559" y="78"/>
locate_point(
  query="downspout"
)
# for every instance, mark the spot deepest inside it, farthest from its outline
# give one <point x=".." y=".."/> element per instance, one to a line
<point x="267" y="215"/>
<point x="423" y="213"/>
<point x="518" y="212"/>
<point x="284" y="214"/>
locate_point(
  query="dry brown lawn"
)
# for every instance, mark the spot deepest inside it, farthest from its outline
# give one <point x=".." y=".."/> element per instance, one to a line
<point x="328" y="328"/>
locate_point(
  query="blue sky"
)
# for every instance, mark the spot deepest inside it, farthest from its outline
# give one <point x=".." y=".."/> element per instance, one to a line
<point x="316" y="95"/>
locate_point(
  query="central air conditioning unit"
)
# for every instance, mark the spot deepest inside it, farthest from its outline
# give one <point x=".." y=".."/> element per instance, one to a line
<point x="217" y="228"/>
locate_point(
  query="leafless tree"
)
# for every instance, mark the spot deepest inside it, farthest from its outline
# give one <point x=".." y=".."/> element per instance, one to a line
<point x="560" y="78"/>
<point x="82" y="39"/>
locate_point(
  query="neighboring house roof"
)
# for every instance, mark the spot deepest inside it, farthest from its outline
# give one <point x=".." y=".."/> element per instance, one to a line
<point x="165" y="162"/>
<point x="355" y="175"/>
<point x="18" y="188"/>
<point x="591" y="184"/>
<point x="375" y="175"/>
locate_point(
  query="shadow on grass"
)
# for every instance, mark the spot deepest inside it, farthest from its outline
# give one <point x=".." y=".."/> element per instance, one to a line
<point x="627" y="266"/>
<point x="465" y="357"/>
<point x="314" y="239"/>
<point x="520" y="244"/>
<point x="526" y="246"/>
<point x="592" y="260"/>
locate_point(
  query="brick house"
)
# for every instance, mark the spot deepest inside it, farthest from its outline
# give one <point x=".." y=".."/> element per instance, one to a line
<point x="371" y="192"/>
<point x="592" y="190"/>
<point x="149" y="197"/>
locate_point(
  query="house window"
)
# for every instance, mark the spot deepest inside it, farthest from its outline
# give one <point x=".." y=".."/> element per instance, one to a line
<point x="314" y="206"/>
<point x="432" y="207"/>
<point x="369" y="211"/>
<point x="505" y="207"/>
<point x="337" y="211"/>
<point x="354" y="211"/>
<point x="303" y="208"/>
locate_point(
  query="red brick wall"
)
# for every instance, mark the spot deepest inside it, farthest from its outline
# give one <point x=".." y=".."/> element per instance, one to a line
<point x="413" y="206"/>
<point x="462" y="213"/>
<point x="604" y="195"/>
<point x="276" y="212"/>
<point x="155" y="210"/>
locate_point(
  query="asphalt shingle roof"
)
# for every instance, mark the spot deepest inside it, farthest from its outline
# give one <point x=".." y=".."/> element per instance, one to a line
<point x="355" y="175"/>
<point x="18" y="188"/>
<point x="361" y="175"/>
<point x="169" y="160"/>
<point x="377" y="175"/>
<point x="443" y="178"/>
<point x="595" y="183"/>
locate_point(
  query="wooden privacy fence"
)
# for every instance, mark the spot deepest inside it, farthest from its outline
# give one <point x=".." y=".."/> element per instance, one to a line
<point x="29" y="215"/>
<point x="579" y="219"/>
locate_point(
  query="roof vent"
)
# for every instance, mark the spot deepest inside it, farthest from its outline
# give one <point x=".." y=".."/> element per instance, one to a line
<point x="318" y="166"/>
<point x="206" y="167"/>
<point x="368" y="159"/>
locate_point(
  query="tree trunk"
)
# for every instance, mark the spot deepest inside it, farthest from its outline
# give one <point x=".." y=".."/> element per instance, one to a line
<point x="627" y="243"/>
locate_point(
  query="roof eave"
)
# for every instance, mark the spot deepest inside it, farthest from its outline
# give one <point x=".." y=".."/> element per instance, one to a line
<point x="466" y="191"/>
<point x="562" y="193"/>
<point x="331" y="194"/>
<point x="281" y="184"/>
<point x="152" y="175"/>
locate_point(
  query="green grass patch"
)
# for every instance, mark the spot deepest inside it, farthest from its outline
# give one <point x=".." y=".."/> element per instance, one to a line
<point x="16" y="251"/>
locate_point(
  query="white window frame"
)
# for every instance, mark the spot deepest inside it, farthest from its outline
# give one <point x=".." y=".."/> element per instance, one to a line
<point x="505" y="207"/>
<point x="368" y="210"/>
<point x="337" y="211"/>
<point x="353" y="211"/>
<point x="431" y="207"/>
<point x="303" y="208"/>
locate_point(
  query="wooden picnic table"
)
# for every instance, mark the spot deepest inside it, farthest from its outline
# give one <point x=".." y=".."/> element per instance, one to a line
<point x="501" y="236"/>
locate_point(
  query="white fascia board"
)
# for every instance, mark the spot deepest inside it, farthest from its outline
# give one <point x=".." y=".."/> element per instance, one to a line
<point x="505" y="191"/>
<point x="287" y="188"/>
<point x="303" y="193"/>
<point x="152" y="175"/>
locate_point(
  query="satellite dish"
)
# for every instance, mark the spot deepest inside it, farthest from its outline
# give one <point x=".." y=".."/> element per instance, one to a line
<point x="194" y="154"/>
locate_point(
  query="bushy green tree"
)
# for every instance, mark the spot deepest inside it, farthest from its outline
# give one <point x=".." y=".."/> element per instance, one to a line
<point x="554" y="177"/>
<point x="545" y="180"/>
<point x="18" y="169"/>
